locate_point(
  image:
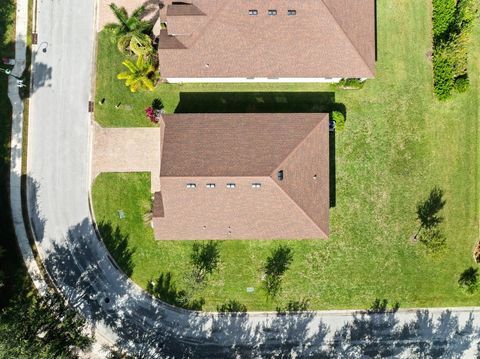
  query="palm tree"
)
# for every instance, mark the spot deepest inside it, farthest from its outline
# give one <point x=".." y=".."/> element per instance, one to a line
<point x="131" y="31"/>
<point x="141" y="75"/>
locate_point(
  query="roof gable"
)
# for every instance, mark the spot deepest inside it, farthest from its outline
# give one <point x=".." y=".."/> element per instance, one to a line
<point x="323" y="39"/>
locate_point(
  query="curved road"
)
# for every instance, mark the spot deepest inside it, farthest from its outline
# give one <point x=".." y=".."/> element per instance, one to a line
<point x="58" y="189"/>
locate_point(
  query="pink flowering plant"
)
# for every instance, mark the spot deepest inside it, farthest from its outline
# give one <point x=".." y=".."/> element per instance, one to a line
<point x="152" y="114"/>
<point x="155" y="111"/>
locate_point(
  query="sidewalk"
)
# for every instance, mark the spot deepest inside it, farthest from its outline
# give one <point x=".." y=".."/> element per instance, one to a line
<point x="17" y="149"/>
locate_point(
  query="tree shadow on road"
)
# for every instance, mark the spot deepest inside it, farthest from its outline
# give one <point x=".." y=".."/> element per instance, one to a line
<point x="147" y="328"/>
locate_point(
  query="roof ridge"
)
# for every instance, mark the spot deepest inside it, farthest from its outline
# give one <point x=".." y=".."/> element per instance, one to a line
<point x="286" y="159"/>
<point x="299" y="144"/>
<point x="347" y="36"/>
<point x="300" y="208"/>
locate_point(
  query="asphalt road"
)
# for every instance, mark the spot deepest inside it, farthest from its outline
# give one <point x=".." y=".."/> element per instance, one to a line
<point x="58" y="187"/>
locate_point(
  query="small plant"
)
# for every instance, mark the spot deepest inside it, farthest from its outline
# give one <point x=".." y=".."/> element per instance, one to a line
<point x="141" y="75"/>
<point x="469" y="280"/>
<point x="462" y="84"/>
<point x="339" y="119"/>
<point x="232" y="306"/>
<point x="152" y="114"/>
<point x="433" y="239"/>
<point x="157" y="104"/>
<point x="350" y="83"/>
<point x="204" y="259"/>
<point x="294" y="306"/>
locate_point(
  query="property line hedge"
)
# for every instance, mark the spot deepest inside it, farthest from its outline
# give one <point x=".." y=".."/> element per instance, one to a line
<point x="452" y="27"/>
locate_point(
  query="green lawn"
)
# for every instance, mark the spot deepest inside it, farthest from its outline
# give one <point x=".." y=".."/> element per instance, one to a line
<point x="398" y="143"/>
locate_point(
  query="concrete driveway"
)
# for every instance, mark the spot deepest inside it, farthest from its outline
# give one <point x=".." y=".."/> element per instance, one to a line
<point x="127" y="150"/>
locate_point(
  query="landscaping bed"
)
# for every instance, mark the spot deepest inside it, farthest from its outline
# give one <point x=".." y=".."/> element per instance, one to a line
<point x="398" y="144"/>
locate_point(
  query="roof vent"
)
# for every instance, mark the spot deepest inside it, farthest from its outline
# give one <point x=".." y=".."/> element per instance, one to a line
<point x="292" y="12"/>
<point x="230" y="185"/>
<point x="210" y="185"/>
<point x="256" y="185"/>
<point x="191" y="185"/>
<point x="272" y="12"/>
<point x="253" y="12"/>
<point x="280" y="175"/>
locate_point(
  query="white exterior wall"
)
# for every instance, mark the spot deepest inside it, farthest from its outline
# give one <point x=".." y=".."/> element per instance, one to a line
<point x="252" y="80"/>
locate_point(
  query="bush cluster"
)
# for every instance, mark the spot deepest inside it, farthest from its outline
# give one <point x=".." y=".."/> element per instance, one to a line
<point x="452" y="25"/>
<point x="350" y="83"/>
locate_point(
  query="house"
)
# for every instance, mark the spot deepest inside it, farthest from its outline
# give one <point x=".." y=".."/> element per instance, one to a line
<point x="267" y="40"/>
<point x="243" y="176"/>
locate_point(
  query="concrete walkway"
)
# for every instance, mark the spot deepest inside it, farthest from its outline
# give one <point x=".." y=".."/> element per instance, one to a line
<point x="127" y="150"/>
<point x="17" y="148"/>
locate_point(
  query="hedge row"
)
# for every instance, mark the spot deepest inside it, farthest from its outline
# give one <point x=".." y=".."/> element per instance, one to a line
<point x="452" y="25"/>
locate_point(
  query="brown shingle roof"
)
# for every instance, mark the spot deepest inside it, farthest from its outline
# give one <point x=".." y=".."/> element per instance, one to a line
<point x="231" y="144"/>
<point x="244" y="149"/>
<point x="326" y="38"/>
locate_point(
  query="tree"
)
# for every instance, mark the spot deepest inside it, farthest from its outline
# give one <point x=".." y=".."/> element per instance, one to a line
<point x="42" y="327"/>
<point x="433" y="239"/>
<point x="204" y="259"/>
<point x="276" y="265"/>
<point x="132" y="33"/>
<point x="427" y="211"/>
<point x="141" y="75"/>
<point x="469" y="279"/>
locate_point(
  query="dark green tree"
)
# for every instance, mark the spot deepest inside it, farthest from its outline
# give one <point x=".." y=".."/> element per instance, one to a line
<point x="204" y="259"/>
<point x="42" y="327"/>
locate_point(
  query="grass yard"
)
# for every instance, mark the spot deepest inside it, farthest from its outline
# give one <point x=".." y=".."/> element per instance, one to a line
<point x="398" y="143"/>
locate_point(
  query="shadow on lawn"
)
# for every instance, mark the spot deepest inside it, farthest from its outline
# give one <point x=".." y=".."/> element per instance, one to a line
<point x="117" y="244"/>
<point x="266" y="102"/>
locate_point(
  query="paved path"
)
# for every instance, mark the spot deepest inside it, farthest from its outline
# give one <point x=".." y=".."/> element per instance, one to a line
<point x="58" y="192"/>
<point x="16" y="149"/>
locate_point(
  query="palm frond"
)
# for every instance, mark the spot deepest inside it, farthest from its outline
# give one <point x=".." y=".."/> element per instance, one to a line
<point x="123" y="75"/>
<point x="130" y="65"/>
<point x="138" y="12"/>
<point x="120" y="13"/>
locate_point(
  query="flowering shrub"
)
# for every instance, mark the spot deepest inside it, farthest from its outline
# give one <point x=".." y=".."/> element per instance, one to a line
<point x="152" y="114"/>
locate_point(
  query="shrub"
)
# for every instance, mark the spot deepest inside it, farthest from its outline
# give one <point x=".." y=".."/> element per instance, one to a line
<point x="232" y="306"/>
<point x="339" y="119"/>
<point x="350" y="83"/>
<point x="469" y="280"/>
<point x="157" y="104"/>
<point x="443" y="16"/>
<point x="462" y="84"/>
<point x="452" y="25"/>
<point x="434" y="240"/>
<point x="443" y="75"/>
